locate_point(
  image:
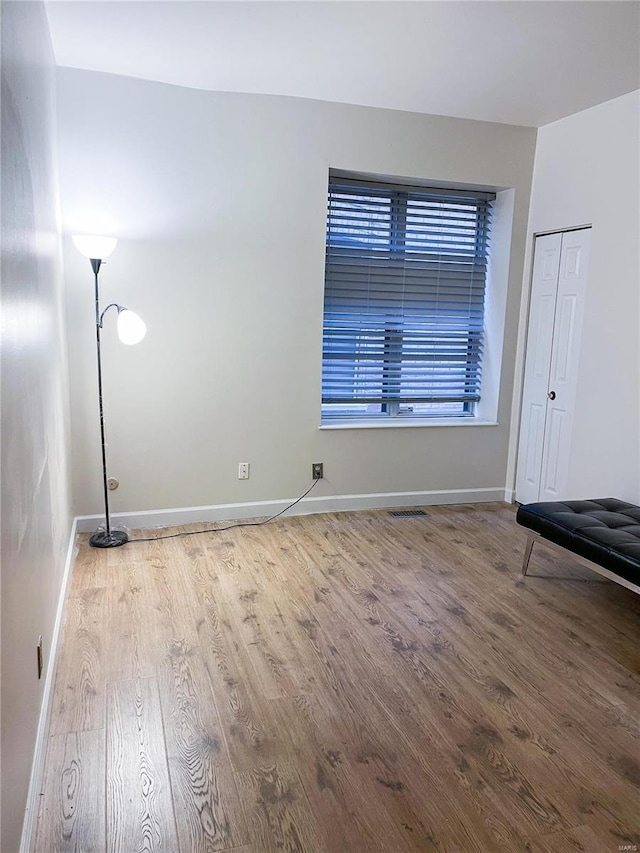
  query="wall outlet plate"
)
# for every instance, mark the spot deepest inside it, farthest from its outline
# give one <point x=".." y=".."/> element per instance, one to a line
<point x="243" y="470"/>
<point x="317" y="470"/>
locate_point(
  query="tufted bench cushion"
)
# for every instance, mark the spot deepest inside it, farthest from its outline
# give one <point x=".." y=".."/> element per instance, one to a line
<point x="605" y="531"/>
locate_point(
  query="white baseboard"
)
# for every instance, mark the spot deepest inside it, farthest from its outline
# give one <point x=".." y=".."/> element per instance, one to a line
<point x="260" y="509"/>
<point x="37" y="766"/>
<point x="510" y="495"/>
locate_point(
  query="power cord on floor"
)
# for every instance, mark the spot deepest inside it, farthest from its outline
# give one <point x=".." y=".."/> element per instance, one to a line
<point x="229" y="526"/>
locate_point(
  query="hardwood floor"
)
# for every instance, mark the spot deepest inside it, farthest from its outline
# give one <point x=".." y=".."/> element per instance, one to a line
<point x="349" y="682"/>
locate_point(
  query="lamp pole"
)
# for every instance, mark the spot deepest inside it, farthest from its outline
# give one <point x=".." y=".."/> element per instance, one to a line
<point x="106" y="538"/>
<point x="131" y="330"/>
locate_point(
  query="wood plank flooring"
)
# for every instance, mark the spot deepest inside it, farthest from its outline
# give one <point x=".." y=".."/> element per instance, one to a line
<point x="344" y="683"/>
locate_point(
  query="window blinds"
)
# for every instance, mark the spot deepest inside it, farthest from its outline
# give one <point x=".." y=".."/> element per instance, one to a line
<point x="405" y="282"/>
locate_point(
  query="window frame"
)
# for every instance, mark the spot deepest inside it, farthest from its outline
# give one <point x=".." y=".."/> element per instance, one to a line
<point x="401" y="196"/>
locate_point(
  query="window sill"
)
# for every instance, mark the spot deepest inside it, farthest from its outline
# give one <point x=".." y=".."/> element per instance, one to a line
<point x="402" y="423"/>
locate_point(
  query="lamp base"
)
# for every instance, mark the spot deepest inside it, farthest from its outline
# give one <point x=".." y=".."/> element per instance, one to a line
<point x="102" y="539"/>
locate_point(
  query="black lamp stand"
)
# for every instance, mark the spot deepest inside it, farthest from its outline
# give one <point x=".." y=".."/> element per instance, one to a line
<point x="106" y="538"/>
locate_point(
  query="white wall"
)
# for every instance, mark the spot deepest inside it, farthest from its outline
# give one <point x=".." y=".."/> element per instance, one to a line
<point x="587" y="172"/>
<point x="220" y="204"/>
<point x="35" y="510"/>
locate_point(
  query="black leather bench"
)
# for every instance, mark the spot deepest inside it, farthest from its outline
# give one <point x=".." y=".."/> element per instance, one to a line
<point x="605" y="531"/>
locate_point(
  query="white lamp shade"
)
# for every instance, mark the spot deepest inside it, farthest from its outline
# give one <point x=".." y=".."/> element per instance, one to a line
<point x="131" y="329"/>
<point x="94" y="247"/>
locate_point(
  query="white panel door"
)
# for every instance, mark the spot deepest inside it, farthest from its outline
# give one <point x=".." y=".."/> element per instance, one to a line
<point x="565" y="359"/>
<point x="544" y="290"/>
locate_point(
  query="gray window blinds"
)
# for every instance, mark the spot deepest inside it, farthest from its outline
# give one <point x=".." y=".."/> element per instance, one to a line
<point x="405" y="283"/>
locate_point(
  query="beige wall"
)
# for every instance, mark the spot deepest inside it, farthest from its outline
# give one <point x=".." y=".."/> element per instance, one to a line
<point x="35" y="509"/>
<point x="220" y="204"/>
<point x="587" y="172"/>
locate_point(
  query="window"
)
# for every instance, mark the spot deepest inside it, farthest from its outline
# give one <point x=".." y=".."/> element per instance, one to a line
<point x="405" y="281"/>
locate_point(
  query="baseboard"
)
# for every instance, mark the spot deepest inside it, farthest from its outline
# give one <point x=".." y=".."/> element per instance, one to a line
<point x="510" y="495"/>
<point x="260" y="509"/>
<point x="37" y="766"/>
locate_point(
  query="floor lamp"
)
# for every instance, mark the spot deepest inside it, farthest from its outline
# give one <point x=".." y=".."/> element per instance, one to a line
<point x="131" y="330"/>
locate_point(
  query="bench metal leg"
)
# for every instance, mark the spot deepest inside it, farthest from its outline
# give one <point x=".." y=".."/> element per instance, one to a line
<point x="531" y="538"/>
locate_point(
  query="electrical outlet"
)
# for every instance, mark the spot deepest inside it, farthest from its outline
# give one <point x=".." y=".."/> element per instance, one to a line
<point x="317" y="470"/>
<point x="243" y="470"/>
<point x="39" y="657"/>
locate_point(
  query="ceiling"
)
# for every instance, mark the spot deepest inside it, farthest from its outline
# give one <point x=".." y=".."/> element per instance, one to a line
<point x="526" y="63"/>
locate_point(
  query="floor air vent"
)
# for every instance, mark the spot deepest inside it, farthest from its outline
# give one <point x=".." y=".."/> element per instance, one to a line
<point x="406" y="513"/>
